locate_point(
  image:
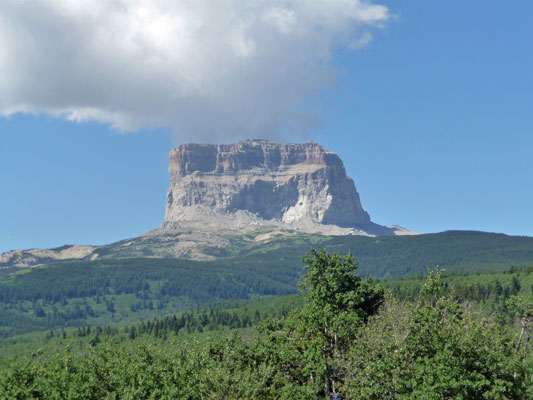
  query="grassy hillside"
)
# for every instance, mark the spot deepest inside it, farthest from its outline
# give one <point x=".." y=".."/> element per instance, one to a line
<point x="124" y="290"/>
<point x="396" y="256"/>
<point x="390" y="257"/>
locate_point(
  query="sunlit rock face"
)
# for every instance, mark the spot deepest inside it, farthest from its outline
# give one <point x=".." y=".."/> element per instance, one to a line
<point x="301" y="186"/>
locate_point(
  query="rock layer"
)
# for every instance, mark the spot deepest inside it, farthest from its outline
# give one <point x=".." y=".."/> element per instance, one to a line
<point x="303" y="186"/>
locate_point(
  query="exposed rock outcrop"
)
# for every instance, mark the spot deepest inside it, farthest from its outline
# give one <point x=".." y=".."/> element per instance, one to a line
<point x="257" y="182"/>
<point x="34" y="257"/>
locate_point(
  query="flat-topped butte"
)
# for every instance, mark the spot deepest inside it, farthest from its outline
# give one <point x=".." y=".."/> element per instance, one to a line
<point x="257" y="182"/>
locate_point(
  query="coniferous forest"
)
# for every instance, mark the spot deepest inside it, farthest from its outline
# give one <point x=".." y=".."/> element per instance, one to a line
<point x="437" y="337"/>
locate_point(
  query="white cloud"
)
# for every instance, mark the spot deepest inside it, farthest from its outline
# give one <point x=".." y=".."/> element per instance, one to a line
<point x="282" y="18"/>
<point x="207" y="69"/>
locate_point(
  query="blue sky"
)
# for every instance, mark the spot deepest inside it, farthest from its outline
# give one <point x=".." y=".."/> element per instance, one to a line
<point x="433" y="118"/>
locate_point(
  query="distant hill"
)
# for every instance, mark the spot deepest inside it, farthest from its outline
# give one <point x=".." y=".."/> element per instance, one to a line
<point x="121" y="286"/>
<point x="453" y="251"/>
<point x="384" y="257"/>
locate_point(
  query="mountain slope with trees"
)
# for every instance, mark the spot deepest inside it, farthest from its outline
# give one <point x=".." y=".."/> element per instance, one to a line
<point x="350" y="337"/>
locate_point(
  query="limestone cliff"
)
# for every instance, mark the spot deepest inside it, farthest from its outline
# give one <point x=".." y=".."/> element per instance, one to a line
<point x="299" y="186"/>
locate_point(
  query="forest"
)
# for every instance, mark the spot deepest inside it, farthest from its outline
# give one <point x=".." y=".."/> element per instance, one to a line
<point x="437" y="337"/>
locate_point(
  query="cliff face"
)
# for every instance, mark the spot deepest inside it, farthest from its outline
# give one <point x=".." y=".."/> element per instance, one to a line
<point x="299" y="185"/>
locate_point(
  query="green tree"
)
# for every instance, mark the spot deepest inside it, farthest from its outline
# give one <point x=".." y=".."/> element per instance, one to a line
<point x="434" y="349"/>
<point x="337" y="302"/>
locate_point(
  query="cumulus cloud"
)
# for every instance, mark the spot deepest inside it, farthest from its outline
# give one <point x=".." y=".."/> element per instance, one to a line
<point x="207" y="69"/>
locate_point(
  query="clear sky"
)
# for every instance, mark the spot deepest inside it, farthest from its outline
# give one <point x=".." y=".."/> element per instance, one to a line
<point x="429" y="104"/>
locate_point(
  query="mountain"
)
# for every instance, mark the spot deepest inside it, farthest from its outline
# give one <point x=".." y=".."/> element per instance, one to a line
<point x="222" y="195"/>
<point x="301" y="187"/>
<point x="242" y="202"/>
<point x="387" y="256"/>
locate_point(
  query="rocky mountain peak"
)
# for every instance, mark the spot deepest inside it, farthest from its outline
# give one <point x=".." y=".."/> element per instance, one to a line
<point x="300" y="186"/>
